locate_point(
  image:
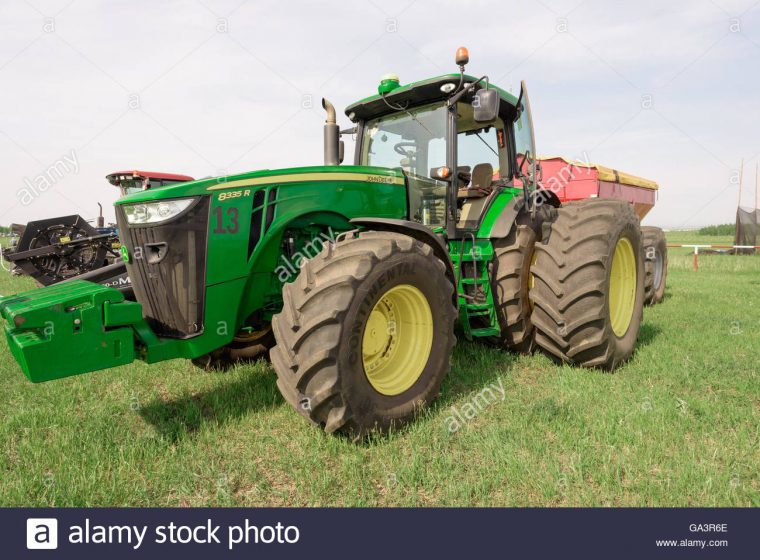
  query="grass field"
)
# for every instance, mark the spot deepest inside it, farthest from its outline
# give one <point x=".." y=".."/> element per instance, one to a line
<point x="679" y="425"/>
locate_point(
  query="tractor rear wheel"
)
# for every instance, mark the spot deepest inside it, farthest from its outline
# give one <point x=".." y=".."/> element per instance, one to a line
<point x="511" y="282"/>
<point x="655" y="264"/>
<point x="588" y="289"/>
<point x="365" y="335"/>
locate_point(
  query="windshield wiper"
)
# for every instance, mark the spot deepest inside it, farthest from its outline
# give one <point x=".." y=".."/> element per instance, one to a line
<point x="486" y="143"/>
<point x="419" y="122"/>
<point x="404" y="108"/>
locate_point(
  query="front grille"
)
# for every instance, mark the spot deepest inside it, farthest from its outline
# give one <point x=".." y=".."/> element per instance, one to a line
<point x="168" y="270"/>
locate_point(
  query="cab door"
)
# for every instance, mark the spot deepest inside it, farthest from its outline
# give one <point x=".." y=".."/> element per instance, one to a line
<point x="526" y="166"/>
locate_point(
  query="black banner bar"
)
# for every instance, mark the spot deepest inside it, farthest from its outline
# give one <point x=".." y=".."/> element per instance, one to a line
<point x="379" y="533"/>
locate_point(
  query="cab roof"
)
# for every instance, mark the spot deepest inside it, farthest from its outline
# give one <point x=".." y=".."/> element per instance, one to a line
<point x="111" y="177"/>
<point x="416" y="93"/>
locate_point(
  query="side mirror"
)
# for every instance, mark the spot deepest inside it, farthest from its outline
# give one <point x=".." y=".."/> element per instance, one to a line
<point x="486" y="105"/>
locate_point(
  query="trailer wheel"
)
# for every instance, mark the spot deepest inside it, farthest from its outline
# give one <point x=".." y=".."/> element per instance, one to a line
<point x="365" y="335"/>
<point x="655" y="264"/>
<point x="511" y="281"/>
<point x="589" y="284"/>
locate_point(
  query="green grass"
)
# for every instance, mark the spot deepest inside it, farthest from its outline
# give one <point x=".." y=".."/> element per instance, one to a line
<point x="676" y="426"/>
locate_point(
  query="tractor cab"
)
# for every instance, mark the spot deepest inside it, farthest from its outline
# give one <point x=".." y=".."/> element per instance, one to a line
<point x="130" y="182"/>
<point x="459" y="140"/>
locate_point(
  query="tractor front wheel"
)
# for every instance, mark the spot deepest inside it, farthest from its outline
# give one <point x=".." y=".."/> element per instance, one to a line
<point x="588" y="292"/>
<point x="366" y="332"/>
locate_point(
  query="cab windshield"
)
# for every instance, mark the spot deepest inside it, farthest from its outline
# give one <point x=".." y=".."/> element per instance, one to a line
<point x="131" y="186"/>
<point x="415" y="141"/>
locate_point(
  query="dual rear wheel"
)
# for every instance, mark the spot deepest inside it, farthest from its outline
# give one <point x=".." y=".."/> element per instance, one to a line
<point x="575" y="293"/>
<point x="588" y="287"/>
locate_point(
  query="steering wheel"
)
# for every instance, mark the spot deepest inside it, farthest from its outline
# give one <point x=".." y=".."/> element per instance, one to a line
<point x="399" y="148"/>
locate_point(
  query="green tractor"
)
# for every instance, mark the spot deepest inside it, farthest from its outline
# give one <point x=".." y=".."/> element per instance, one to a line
<point x="355" y="278"/>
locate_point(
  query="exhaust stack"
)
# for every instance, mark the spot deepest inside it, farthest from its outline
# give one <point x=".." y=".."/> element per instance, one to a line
<point x="100" y="223"/>
<point x="333" y="144"/>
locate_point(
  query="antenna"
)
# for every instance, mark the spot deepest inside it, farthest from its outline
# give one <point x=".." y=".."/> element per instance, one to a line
<point x="741" y="178"/>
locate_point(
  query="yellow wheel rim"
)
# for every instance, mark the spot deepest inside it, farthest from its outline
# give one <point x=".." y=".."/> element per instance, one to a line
<point x="397" y="340"/>
<point x="622" y="286"/>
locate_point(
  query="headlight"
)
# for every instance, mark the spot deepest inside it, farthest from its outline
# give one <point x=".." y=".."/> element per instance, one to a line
<point x="153" y="212"/>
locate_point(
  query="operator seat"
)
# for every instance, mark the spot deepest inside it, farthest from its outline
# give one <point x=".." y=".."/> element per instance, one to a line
<point x="480" y="184"/>
<point x="474" y="197"/>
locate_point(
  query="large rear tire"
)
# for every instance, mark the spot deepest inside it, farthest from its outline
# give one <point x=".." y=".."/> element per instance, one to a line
<point x="655" y="264"/>
<point x="588" y="292"/>
<point x="365" y="335"/>
<point x="511" y="282"/>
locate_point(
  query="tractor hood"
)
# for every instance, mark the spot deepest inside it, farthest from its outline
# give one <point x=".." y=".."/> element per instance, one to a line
<point x="322" y="173"/>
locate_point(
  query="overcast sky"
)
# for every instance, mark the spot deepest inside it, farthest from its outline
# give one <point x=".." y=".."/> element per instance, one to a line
<point x="666" y="90"/>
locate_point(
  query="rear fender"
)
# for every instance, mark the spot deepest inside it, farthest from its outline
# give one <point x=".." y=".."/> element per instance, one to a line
<point x="516" y="212"/>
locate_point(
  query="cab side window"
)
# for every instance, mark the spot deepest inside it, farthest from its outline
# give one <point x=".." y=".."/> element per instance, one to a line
<point x="523" y="140"/>
<point x="481" y="143"/>
<point x="479" y="146"/>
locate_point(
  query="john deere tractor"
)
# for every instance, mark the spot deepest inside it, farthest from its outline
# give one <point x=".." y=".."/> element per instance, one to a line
<point x="359" y="275"/>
